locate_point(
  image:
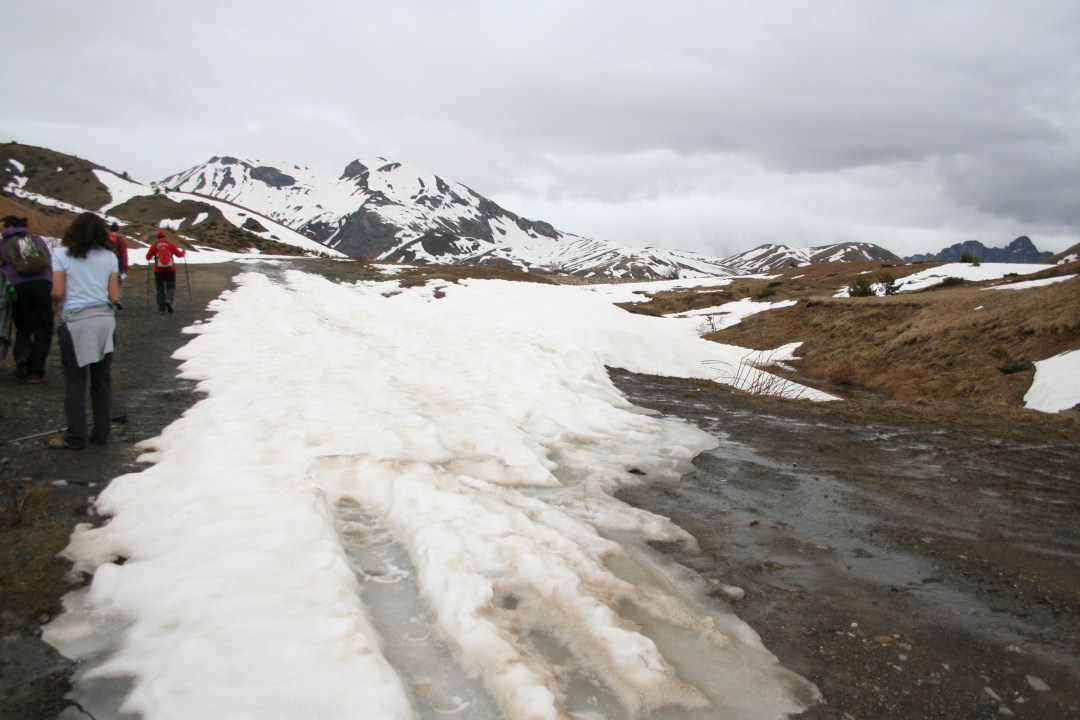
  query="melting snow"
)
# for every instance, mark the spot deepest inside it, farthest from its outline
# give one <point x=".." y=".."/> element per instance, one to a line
<point x="120" y="189"/>
<point x="975" y="273"/>
<point x="389" y="505"/>
<point x="1033" y="283"/>
<point x="1056" y="386"/>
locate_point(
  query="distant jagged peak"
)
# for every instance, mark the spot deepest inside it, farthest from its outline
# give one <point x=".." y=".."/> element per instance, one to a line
<point x="1021" y="250"/>
<point x="354" y="169"/>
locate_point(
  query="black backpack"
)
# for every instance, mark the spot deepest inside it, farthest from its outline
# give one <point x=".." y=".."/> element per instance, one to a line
<point x="27" y="255"/>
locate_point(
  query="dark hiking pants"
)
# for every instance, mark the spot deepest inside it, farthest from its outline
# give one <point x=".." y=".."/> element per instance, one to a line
<point x="165" y="282"/>
<point x="100" y="374"/>
<point x="33" y="316"/>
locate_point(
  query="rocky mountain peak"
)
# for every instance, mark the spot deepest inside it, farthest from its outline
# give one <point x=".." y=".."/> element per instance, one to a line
<point x="1021" y="250"/>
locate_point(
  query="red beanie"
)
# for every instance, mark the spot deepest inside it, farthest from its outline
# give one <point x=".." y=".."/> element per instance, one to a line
<point x="161" y="233"/>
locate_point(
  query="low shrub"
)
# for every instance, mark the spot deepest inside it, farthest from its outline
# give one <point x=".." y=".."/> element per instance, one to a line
<point x="888" y="281"/>
<point x="1015" y="365"/>
<point x="861" y="287"/>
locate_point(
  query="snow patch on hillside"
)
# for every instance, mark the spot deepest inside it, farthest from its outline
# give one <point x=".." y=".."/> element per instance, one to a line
<point x="1056" y="386"/>
<point x="966" y="271"/>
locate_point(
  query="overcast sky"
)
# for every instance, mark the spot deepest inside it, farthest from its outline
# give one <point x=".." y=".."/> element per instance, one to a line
<point x="712" y="126"/>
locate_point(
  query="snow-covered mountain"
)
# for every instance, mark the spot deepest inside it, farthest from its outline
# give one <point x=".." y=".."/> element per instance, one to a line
<point x="63" y="184"/>
<point x="375" y="209"/>
<point x="767" y="258"/>
<point x="392" y="211"/>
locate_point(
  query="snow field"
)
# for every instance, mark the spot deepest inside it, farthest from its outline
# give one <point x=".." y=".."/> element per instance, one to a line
<point x="967" y="271"/>
<point x="476" y="432"/>
<point x="1056" y="386"/>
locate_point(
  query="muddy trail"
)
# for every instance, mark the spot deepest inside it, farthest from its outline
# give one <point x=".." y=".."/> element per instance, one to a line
<point x="913" y="562"/>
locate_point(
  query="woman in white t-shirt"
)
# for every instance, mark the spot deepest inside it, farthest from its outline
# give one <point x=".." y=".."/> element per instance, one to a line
<point x="85" y="286"/>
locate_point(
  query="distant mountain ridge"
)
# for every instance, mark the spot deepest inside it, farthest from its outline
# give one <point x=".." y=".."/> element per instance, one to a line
<point x="769" y="258"/>
<point x="1021" y="250"/>
<point x="376" y="209"/>
<point x="391" y="211"/>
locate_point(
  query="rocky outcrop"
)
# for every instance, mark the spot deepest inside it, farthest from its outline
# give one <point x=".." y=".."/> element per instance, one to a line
<point x="1021" y="250"/>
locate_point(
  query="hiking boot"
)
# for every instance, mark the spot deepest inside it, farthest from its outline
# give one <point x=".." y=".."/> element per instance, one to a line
<point x="168" y="306"/>
<point x="65" y="444"/>
<point x="34" y="380"/>
<point x="20" y="369"/>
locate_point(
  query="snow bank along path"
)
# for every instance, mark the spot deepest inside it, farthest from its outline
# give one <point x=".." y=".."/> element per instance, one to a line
<point x="467" y="438"/>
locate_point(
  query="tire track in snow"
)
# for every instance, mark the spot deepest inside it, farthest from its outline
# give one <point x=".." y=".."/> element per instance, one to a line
<point x="438" y="686"/>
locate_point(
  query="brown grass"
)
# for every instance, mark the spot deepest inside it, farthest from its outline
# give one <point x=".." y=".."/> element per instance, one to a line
<point x="29" y="543"/>
<point x="43" y="220"/>
<point x="75" y="181"/>
<point x="942" y="345"/>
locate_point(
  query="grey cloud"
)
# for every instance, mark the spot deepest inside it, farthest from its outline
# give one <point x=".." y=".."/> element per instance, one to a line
<point x="960" y="116"/>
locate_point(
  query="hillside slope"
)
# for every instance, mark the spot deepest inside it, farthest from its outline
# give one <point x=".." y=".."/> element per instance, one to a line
<point x="49" y="188"/>
<point x="960" y="343"/>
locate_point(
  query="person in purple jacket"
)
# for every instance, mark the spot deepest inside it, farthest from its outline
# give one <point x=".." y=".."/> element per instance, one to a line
<point x="32" y="309"/>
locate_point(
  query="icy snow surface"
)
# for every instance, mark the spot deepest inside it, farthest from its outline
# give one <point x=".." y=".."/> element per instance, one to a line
<point x="732" y="313"/>
<point x="1033" y="283"/>
<point x="967" y="271"/>
<point x="391" y="504"/>
<point x="120" y="189"/>
<point x="935" y="275"/>
<point x="1056" y="386"/>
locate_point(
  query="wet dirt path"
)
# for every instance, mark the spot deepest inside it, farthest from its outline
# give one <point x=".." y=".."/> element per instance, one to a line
<point x="912" y="563"/>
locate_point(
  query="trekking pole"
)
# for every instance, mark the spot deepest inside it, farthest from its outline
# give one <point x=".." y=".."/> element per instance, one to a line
<point x="119" y="420"/>
<point x="148" y="285"/>
<point x="187" y="277"/>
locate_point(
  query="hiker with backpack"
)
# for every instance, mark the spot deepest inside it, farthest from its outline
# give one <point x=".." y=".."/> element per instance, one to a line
<point x="120" y="249"/>
<point x="164" y="253"/>
<point x="85" y="286"/>
<point x="27" y="264"/>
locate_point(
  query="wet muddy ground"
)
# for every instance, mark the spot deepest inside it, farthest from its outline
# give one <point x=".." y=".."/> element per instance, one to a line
<point x="912" y="562"/>
<point x="53" y="490"/>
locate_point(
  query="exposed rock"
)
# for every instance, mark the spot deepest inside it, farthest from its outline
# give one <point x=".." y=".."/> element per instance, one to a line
<point x="272" y="177"/>
<point x="1020" y="250"/>
<point x="253" y="225"/>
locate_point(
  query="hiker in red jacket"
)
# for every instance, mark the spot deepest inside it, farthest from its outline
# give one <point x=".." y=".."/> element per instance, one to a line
<point x="119" y="248"/>
<point x="163" y="253"/>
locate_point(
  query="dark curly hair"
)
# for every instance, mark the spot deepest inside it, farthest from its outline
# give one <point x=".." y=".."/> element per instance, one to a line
<point x="85" y="233"/>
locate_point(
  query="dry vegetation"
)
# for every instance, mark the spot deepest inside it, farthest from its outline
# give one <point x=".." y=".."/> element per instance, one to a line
<point x="43" y="220"/>
<point x="72" y="179"/>
<point x="54" y="174"/>
<point x="963" y="343"/>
